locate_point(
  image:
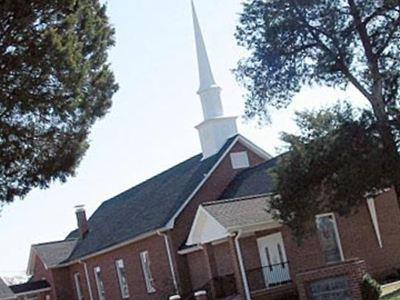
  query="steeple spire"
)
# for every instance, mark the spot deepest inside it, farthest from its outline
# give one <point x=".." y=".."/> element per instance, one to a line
<point x="205" y="73"/>
<point x="209" y="91"/>
<point x="216" y="129"/>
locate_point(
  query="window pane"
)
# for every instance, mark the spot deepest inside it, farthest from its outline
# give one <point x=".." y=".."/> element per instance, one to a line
<point x="144" y="256"/>
<point x="78" y="286"/>
<point x="329" y="239"/>
<point x="123" y="284"/>
<point x="99" y="282"/>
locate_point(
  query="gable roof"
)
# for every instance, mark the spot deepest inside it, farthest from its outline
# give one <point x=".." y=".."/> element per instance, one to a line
<point x="30" y="287"/>
<point x="146" y="207"/>
<point x="252" y="181"/>
<point x="54" y="253"/>
<point x="240" y="213"/>
<point x="5" y="291"/>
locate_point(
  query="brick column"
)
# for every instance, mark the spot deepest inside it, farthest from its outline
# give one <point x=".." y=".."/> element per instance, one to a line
<point x="211" y="267"/>
<point x="236" y="268"/>
<point x="201" y="295"/>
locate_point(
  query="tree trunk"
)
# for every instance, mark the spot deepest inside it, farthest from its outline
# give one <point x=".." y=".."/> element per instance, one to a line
<point x="388" y="140"/>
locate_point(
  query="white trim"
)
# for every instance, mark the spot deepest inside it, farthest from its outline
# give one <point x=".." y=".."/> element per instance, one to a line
<point x="121" y="275"/>
<point x="170" y="261"/>
<point x="112" y="248"/>
<point x="99" y="283"/>
<point x="242" y="268"/>
<point x="148" y="277"/>
<point x="190" y="250"/>
<point x="48" y="289"/>
<point x="335" y="227"/>
<point x="374" y="219"/>
<point x="170" y="224"/>
<point x="78" y="285"/>
<point x="89" y="286"/>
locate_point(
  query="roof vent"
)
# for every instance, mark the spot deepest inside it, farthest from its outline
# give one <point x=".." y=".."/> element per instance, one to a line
<point x="240" y="160"/>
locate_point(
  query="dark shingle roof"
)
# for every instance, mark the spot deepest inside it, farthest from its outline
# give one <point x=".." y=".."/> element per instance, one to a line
<point x="5" y="291"/>
<point x="145" y="207"/>
<point x="54" y="253"/>
<point x="30" y="286"/>
<point x="252" y="181"/>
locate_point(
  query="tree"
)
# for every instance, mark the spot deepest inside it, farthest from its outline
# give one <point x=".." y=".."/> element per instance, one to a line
<point x="335" y="43"/>
<point x="55" y="82"/>
<point x="332" y="165"/>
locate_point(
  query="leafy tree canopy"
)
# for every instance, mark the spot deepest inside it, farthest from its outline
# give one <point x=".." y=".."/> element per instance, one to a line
<point x="335" y="162"/>
<point x="55" y="82"/>
<point x="341" y="154"/>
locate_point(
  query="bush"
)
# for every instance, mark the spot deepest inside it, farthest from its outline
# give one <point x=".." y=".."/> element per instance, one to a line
<point x="370" y="289"/>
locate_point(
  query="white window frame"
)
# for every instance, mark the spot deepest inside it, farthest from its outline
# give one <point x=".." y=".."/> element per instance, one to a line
<point x="78" y="286"/>
<point x="122" y="280"/>
<point x="240" y="160"/>
<point x="99" y="283"/>
<point x="335" y="228"/>
<point x="148" y="278"/>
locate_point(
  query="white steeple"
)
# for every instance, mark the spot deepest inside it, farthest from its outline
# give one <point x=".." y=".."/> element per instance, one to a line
<point x="216" y="129"/>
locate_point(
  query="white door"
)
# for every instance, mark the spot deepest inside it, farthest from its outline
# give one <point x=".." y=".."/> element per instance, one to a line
<point x="274" y="264"/>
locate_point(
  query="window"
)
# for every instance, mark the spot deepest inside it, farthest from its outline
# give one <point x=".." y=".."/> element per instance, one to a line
<point x="240" y="160"/>
<point x="123" y="283"/>
<point x="99" y="283"/>
<point x="329" y="237"/>
<point x="144" y="257"/>
<point x="78" y="286"/>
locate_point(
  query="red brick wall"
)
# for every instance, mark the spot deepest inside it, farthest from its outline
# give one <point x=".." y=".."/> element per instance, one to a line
<point x="131" y="255"/>
<point x="40" y="273"/>
<point x="352" y="270"/>
<point x="198" y="272"/>
<point x="210" y="191"/>
<point x="357" y="237"/>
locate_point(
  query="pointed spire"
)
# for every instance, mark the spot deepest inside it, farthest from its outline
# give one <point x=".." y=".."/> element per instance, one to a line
<point x="205" y="74"/>
<point x="216" y="129"/>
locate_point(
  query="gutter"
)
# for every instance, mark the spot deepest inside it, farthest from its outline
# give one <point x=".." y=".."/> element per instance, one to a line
<point x="111" y="248"/>
<point x="170" y="261"/>
<point x="241" y="265"/>
<point x="87" y="279"/>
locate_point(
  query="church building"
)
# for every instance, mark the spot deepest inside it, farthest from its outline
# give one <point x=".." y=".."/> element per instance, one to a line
<point x="203" y="226"/>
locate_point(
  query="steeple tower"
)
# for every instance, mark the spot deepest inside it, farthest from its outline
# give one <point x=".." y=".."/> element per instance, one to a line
<point x="216" y="129"/>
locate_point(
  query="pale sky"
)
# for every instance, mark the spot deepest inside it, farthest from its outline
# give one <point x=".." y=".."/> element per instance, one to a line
<point x="151" y="124"/>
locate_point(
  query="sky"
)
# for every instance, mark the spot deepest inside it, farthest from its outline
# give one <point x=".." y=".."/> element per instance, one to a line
<point x="151" y="124"/>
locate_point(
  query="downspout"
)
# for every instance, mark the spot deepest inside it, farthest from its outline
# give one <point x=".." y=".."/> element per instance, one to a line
<point x="87" y="279"/>
<point x="170" y="261"/>
<point x="241" y="265"/>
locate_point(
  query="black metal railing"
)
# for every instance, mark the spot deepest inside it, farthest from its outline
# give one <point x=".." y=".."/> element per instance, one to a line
<point x="223" y="286"/>
<point x="269" y="276"/>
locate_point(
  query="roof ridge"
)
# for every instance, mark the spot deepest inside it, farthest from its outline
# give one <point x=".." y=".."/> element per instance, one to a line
<point x="55" y="242"/>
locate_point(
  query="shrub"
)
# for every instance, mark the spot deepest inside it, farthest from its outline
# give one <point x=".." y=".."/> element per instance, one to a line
<point x="370" y="289"/>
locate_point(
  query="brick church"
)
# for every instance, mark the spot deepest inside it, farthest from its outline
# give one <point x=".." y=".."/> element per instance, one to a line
<point x="203" y="225"/>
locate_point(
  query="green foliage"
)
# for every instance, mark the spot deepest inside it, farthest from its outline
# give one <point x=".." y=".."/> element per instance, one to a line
<point x="332" y="165"/>
<point x="324" y="42"/>
<point x="341" y="155"/>
<point x="55" y="82"/>
<point x="370" y="289"/>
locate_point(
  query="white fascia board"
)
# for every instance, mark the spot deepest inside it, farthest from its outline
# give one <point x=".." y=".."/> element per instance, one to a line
<point x="205" y="229"/>
<point x="374" y="219"/>
<point x="28" y="293"/>
<point x="112" y="248"/>
<point x="31" y="261"/>
<point x="170" y="224"/>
